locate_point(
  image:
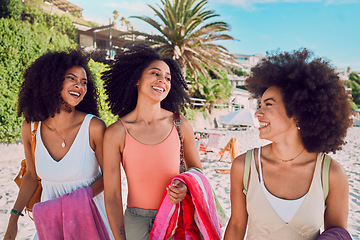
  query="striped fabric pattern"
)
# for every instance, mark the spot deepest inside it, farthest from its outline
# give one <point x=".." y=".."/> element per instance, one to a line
<point x="199" y="212"/>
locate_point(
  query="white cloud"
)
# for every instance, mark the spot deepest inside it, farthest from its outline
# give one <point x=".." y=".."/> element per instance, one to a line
<point x="251" y="4"/>
<point x="338" y="2"/>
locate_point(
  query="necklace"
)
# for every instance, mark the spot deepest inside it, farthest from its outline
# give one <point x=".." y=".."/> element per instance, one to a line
<point x="63" y="144"/>
<point x="287" y="160"/>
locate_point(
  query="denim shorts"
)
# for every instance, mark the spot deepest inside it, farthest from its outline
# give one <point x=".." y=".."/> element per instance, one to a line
<point x="138" y="223"/>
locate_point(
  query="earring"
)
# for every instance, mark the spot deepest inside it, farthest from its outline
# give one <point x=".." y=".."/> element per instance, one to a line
<point x="297" y="125"/>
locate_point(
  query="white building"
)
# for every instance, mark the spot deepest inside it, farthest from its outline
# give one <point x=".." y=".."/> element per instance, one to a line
<point x="241" y="99"/>
<point x="248" y="61"/>
<point x="343" y="74"/>
<point x="245" y="63"/>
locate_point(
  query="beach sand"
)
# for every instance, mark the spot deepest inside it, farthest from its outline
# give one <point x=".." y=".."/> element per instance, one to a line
<point x="349" y="157"/>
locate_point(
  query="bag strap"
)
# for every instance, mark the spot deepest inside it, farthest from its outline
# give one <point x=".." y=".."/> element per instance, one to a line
<point x="247" y="170"/>
<point x="177" y="122"/>
<point x="33" y="142"/>
<point x="33" y="139"/>
<point x="325" y="175"/>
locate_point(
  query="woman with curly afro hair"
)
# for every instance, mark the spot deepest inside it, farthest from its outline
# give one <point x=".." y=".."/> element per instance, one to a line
<point x="59" y="96"/>
<point x="290" y="188"/>
<point x="145" y="91"/>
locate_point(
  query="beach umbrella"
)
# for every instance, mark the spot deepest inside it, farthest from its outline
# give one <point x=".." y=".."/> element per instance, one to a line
<point x="241" y="117"/>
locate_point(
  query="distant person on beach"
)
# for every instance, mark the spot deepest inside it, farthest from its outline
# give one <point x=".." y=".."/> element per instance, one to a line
<point x="304" y="113"/>
<point x="145" y="91"/>
<point x="59" y="92"/>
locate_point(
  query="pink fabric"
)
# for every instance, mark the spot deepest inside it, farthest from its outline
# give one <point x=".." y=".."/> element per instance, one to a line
<point x="196" y="214"/>
<point x="71" y="216"/>
<point x="335" y="233"/>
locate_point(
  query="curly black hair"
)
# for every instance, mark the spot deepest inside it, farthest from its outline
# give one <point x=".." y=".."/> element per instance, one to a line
<point x="122" y="76"/>
<point x="312" y="93"/>
<point x="40" y="94"/>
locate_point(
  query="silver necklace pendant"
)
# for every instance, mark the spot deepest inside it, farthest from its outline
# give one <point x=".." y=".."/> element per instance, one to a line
<point x="63" y="144"/>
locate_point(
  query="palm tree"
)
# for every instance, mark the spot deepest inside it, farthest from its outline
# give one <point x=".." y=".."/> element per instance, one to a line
<point x="187" y="36"/>
<point x="213" y="90"/>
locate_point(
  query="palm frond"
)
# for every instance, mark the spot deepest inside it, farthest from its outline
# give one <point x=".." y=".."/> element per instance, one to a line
<point x="187" y="35"/>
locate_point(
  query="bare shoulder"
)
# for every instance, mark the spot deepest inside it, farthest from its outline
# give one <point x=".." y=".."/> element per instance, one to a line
<point x="238" y="164"/>
<point x="97" y="123"/>
<point x="115" y="131"/>
<point x="26" y="130"/>
<point x="185" y="123"/>
<point x="237" y="170"/>
<point x="336" y="170"/>
<point x="184" y="119"/>
<point x="26" y="126"/>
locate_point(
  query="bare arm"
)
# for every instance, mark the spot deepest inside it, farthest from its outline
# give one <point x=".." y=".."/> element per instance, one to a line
<point x="236" y="227"/>
<point x="113" y="140"/>
<point x="97" y="129"/>
<point x="191" y="154"/>
<point x="336" y="213"/>
<point x="177" y="190"/>
<point x="28" y="185"/>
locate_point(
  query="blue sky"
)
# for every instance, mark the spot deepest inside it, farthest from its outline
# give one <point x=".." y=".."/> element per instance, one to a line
<point x="330" y="28"/>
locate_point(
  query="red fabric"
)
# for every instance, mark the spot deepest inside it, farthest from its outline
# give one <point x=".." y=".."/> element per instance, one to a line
<point x="186" y="222"/>
<point x="178" y="221"/>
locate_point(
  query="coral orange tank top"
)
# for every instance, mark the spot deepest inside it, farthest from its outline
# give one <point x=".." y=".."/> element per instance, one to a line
<point x="149" y="168"/>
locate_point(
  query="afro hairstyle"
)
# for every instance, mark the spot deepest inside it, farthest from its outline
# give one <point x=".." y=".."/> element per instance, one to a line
<point x="122" y="76"/>
<point x="312" y="93"/>
<point x="40" y="94"/>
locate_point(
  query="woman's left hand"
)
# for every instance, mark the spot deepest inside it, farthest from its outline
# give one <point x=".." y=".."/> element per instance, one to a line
<point x="177" y="191"/>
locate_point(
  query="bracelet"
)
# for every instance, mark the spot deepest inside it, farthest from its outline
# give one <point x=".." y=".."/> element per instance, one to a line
<point x="17" y="212"/>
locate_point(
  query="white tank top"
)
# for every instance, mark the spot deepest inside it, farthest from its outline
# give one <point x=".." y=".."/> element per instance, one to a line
<point x="77" y="169"/>
<point x="286" y="209"/>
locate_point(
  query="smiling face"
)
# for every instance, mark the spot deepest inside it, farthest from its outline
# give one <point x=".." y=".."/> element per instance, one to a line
<point x="74" y="86"/>
<point x="155" y="81"/>
<point x="274" y="122"/>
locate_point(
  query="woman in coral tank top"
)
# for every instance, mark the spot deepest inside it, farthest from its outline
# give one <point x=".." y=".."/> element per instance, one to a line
<point x="144" y="91"/>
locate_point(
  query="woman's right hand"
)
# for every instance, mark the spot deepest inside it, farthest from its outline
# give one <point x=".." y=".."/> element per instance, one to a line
<point x="11" y="230"/>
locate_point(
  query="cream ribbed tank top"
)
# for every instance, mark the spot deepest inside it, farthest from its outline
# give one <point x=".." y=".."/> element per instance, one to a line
<point x="263" y="221"/>
<point x="286" y="209"/>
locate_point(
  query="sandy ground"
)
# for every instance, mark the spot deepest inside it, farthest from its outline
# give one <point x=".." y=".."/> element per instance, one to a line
<point x="349" y="157"/>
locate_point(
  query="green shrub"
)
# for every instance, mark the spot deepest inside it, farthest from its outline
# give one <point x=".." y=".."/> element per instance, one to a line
<point x="190" y="113"/>
<point x="11" y="9"/>
<point x="54" y="22"/>
<point x="105" y="113"/>
<point x="20" y="45"/>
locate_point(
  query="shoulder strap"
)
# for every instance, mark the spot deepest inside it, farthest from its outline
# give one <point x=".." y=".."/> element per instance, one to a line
<point x="33" y="142"/>
<point x="247" y="170"/>
<point x="33" y="139"/>
<point x="122" y="122"/>
<point x="325" y="175"/>
<point x="177" y="122"/>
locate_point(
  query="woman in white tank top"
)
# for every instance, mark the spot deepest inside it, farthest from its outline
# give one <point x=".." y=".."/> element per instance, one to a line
<point x="304" y="113"/>
<point x="59" y="92"/>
